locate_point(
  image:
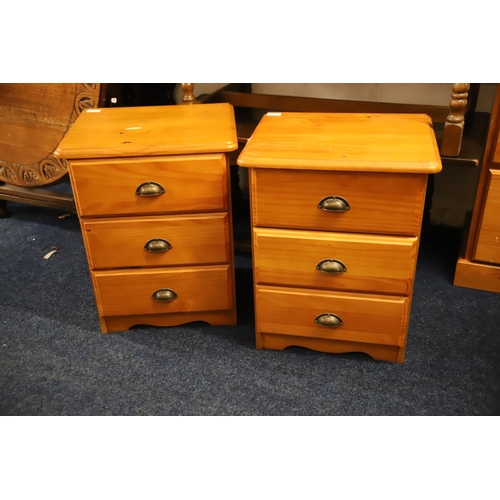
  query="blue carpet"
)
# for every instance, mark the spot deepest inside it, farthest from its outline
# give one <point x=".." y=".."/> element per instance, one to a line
<point x="55" y="361"/>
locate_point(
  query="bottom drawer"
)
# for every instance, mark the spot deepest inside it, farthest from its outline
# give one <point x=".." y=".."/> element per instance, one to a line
<point x="154" y="291"/>
<point x="363" y="317"/>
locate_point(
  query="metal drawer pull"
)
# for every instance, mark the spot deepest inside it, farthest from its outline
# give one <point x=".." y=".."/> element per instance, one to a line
<point x="164" y="295"/>
<point x="149" y="189"/>
<point x="329" y="320"/>
<point x="157" y="245"/>
<point x="331" y="266"/>
<point x="334" y="204"/>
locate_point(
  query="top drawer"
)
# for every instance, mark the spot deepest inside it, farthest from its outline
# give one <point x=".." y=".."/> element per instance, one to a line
<point x="191" y="183"/>
<point x="369" y="202"/>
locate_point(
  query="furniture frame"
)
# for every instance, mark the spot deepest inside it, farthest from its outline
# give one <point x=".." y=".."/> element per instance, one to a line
<point x="478" y="265"/>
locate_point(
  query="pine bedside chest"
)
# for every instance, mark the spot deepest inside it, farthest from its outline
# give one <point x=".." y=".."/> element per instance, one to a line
<point x="336" y="206"/>
<point x="152" y="191"/>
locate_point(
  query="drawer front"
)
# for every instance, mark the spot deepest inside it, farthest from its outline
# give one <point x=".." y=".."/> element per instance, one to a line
<point x="191" y="183"/>
<point x="121" y="293"/>
<point x="378" y="202"/>
<point x="336" y="261"/>
<point x="157" y="241"/>
<point x="488" y="244"/>
<point x="365" y="318"/>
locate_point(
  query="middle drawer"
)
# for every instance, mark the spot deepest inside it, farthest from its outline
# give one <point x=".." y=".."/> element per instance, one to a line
<point x="335" y="261"/>
<point x="157" y="241"/>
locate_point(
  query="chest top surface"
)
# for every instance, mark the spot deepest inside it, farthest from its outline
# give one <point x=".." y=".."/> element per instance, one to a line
<point x="150" y="131"/>
<point x="344" y="141"/>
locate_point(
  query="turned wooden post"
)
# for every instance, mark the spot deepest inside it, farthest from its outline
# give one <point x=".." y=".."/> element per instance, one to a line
<point x="188" y="95"/>
<point x="454" y="125"/>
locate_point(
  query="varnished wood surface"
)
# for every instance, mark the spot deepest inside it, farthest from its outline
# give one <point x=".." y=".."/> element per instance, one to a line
<point x="110" y="153"/>
<point x="376" y="351"/>
<point x="194" y="239"/>
<point x="490" y="161"/>
<point x="151" y="130"/>
<point x="349" y="142"/>
<point x="122" y="323"/>
<point x="191" y="182"/>
<point x="481" y="236"/>
<point x="251" y="107"/>
<point x="129" y="292"/>
<point x="378" y="166"/>
<point x="376" y="264"/>
<point x="477" y="275"/>
<point x="488" y="243"/>
<point x="366" y="318"/>
<point x="245" y="99"/>
<point x="380" y="203"/>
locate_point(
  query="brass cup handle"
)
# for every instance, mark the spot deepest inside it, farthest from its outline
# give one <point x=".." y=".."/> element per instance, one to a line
<point x="150" y="189"/>
<point x="334" y="204"/>
<point x="331" y="266"/>
<point x="157" y="245"/>
<point x="329" y="320"/>
<point x="164" y="295"/>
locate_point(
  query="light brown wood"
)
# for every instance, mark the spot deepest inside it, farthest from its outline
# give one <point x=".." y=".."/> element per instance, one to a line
<point x="201" y="288"/>
<point x="151" y="131"/>
<point x="120" y="242"/>
<point x="476" y="275"/>
<point x="378" y="264"/>
<point x="479" y="264"/>
<point x="372" y="170"/>
<point x="349" y="142"/>
<point x="112" y="154"/>
<point x="121" y="323"/>
<point x="34" y="117"/>
<point x="380" y="203"/>
<point x="250" y="107"/>
<point x="366" y="318"/>
<point x="241" y="96"/>
<point x="378" y="352"/>
<point x="192" y="183"/>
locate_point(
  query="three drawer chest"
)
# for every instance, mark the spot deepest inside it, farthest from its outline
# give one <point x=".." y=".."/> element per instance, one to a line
<point x="336" y="208"/>
<point x="152" y="191"/>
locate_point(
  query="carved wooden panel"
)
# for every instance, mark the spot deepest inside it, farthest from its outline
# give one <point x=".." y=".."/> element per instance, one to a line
<point x="33" y="120"/>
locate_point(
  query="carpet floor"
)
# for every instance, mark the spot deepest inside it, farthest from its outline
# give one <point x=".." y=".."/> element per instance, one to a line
<point x="55" y="361"/>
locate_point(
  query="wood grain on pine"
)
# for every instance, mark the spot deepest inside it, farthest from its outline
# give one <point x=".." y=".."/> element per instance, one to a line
<point x="191" y="183"/>
<point x="339" y="141"/>
<point x="151" y="130"/>
<point x="194" y="239"/>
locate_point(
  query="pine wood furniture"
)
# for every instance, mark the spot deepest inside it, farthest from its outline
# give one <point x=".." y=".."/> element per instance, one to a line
<point x="460" y="129"/>
<point x="336" y="208"/>
<point x="152" y="192"/>
<point x="479" y="263"/>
